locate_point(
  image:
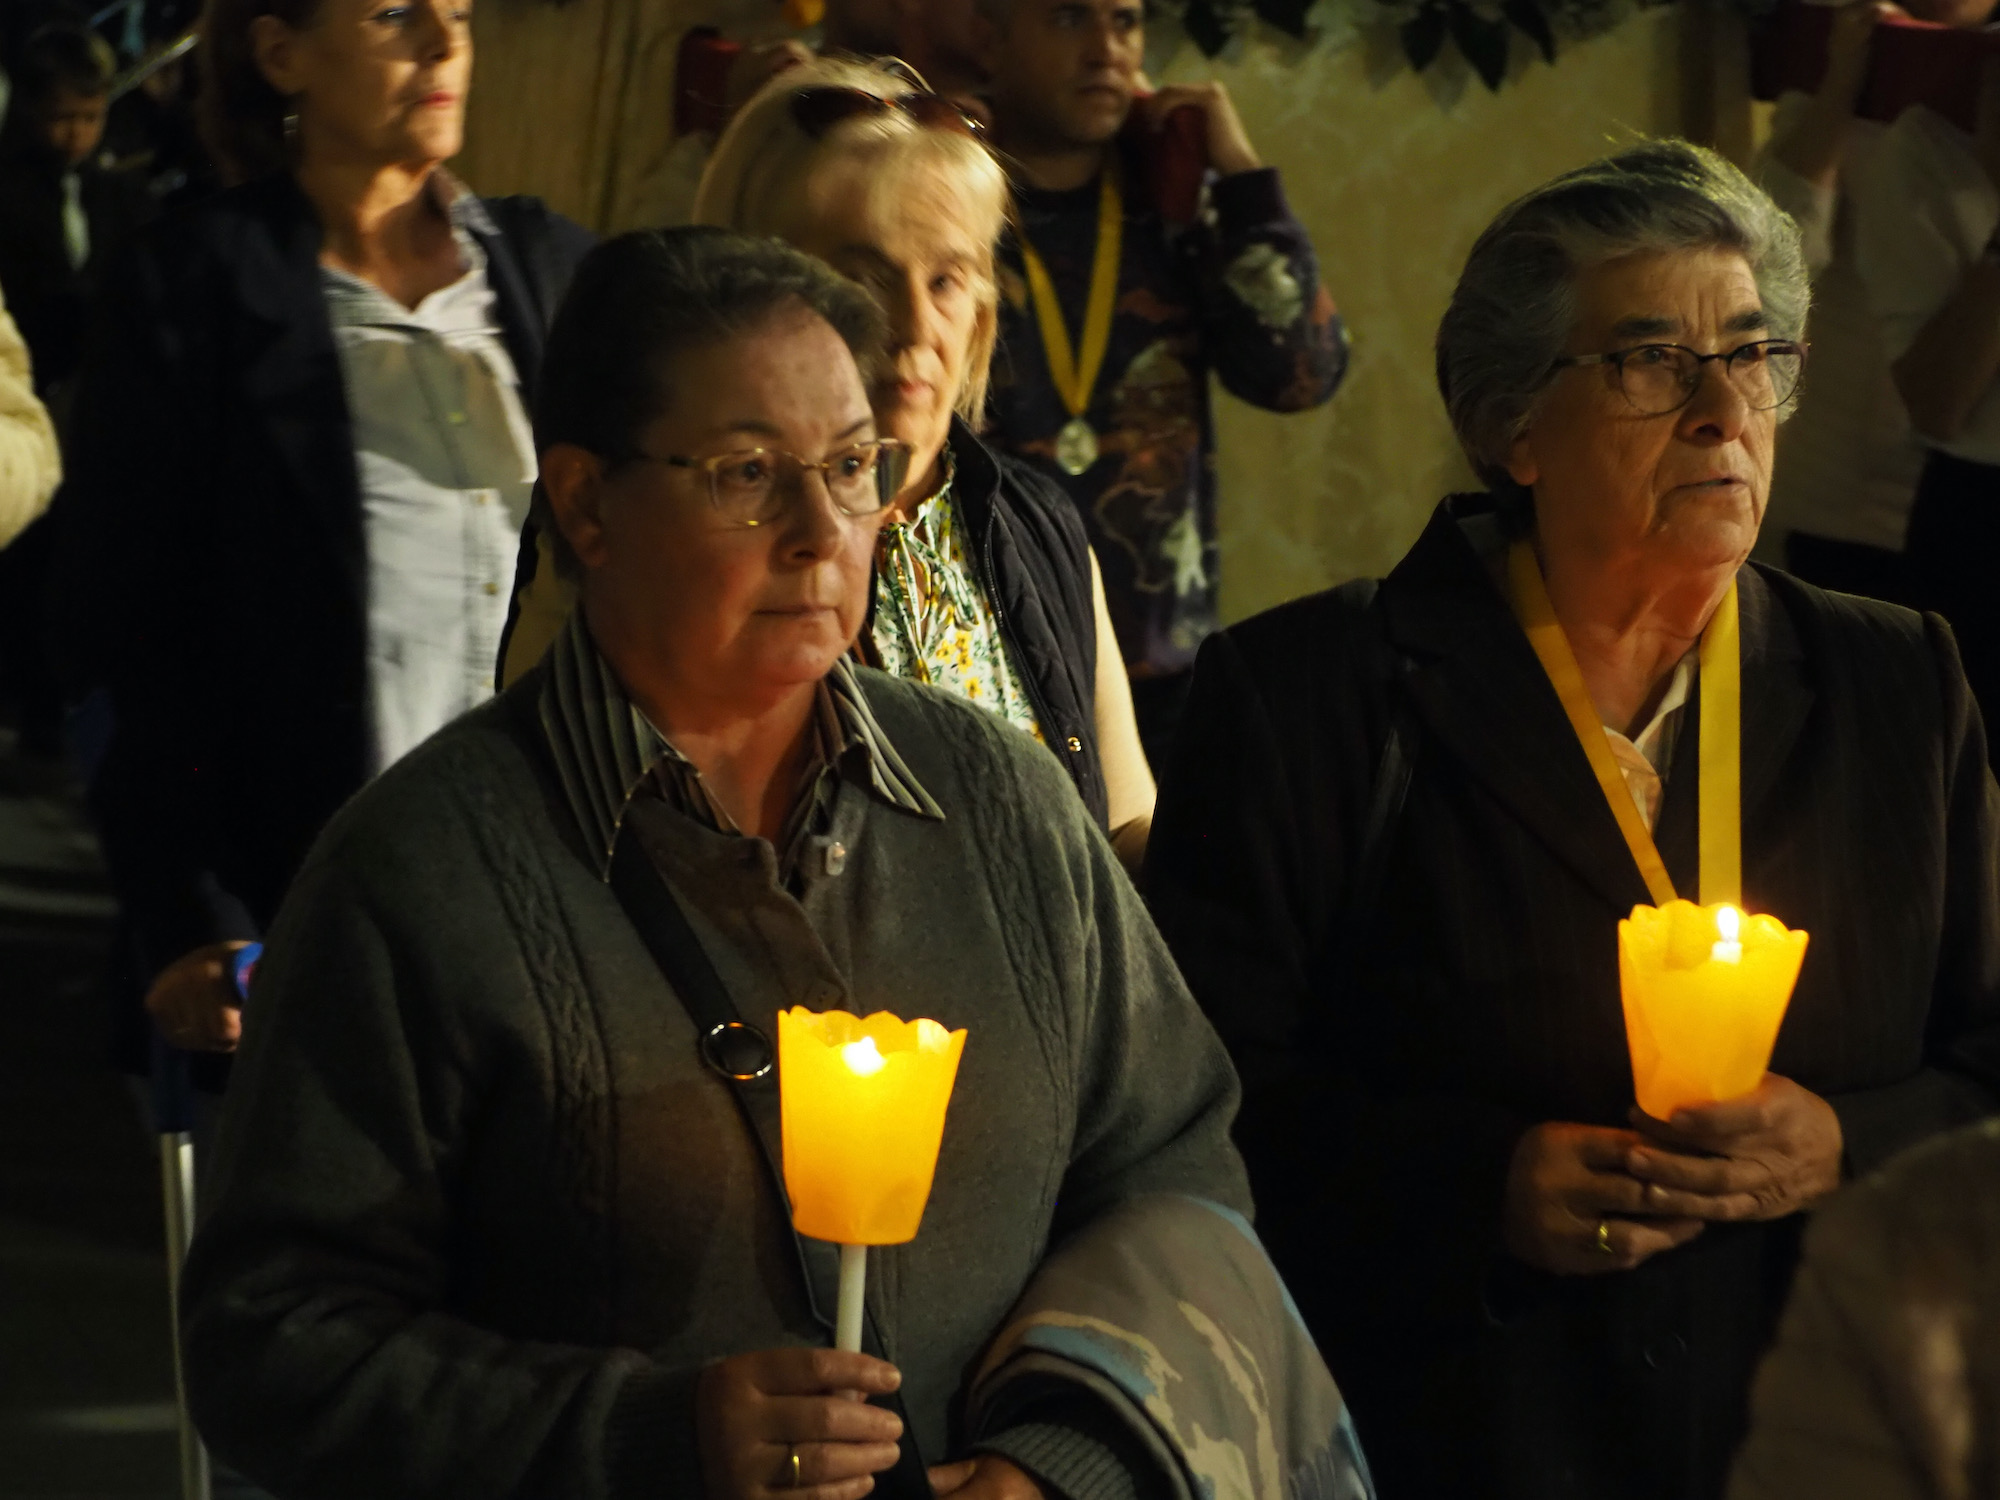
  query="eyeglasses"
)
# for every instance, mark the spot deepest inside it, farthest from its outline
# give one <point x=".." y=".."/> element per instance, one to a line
<point x="818" y="110"/>
<point x="749" y="486"/>
<point x="1661" y="378"/>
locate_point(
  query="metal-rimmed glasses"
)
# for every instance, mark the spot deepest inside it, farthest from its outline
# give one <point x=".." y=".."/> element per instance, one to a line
<point x="1661" y="378"/>
<point x="749" y="486"/>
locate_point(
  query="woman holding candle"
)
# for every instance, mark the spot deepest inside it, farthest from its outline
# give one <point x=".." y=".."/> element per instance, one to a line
<point x="985" y="583"/>
<point x="1394" y="853"/>
<point x="494" y="1210"/>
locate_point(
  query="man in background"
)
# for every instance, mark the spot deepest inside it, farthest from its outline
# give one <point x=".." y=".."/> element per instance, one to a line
<point x="1153" y="247"/>
<point x="61" y="219"/>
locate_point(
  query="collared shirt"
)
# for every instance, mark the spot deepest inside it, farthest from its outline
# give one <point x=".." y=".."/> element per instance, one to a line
<point x="607" y="752"/>
<point x="75" y="221"/>
<point x="447" y="462"/>
<point x="933" y="622"/>
<point x="1644" y="758"/>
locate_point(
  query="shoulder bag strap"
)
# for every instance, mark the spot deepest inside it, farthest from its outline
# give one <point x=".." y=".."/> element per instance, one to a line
<point x="668" y="936"/>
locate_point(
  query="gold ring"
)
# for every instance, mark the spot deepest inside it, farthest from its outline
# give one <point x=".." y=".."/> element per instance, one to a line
<point x="1604" y="1236"/>
<point x="797" y="1482"/>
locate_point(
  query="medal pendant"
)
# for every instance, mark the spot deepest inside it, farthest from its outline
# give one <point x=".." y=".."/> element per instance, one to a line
<point x="1076" y="447"/>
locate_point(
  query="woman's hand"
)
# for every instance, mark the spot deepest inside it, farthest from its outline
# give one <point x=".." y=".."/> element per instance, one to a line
<point x="1568" y="1180"/>
<point x="194" y="1002"/>
<point x="1229" y="148"/>
<point x="755" y="1411"/>
<point x="987" y="1477"/>
<point x="1771" y="1153"/>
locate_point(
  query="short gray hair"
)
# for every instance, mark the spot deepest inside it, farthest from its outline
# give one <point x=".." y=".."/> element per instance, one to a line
<point x="1515" y="305"/>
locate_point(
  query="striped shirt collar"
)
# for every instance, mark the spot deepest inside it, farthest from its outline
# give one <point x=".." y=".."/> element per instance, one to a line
<point x="605" y="749"/>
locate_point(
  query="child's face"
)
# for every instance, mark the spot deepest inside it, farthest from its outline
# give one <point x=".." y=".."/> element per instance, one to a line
<point x="73" y="124"/>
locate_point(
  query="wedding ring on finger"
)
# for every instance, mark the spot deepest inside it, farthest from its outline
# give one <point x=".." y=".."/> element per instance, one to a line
<point x="1603" y="1244"/>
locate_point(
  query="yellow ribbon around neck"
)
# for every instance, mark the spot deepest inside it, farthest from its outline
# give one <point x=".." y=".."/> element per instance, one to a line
<point x="1075" y="372"/>
<point x="1721" y="767"/>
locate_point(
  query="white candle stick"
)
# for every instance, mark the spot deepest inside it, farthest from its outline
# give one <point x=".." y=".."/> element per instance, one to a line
<point x="853" y="1297"/>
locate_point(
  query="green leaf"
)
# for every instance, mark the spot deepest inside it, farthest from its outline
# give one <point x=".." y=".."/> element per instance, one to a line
<point x="1483" y="42"/>
<point x="1423" y="37"/>
<point x="1289" y="16"/>
<point x="1527" y="16"/>
<point x="1206" y="27"/>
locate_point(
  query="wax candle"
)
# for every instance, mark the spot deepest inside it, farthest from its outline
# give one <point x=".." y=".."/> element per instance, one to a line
<point x="863" y="1106"/>
<point x="1705" y="989"/>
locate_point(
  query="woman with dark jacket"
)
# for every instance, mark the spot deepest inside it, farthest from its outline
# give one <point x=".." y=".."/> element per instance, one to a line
<point x="301" y="457"/>
<point x="1404" y="821"/>
<point x="984" y="581"/>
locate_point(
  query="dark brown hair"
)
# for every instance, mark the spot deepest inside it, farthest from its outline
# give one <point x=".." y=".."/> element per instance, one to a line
<point x="640" y="301"/>
<point x="242" y="117"/>
<point x="66" y="56"/>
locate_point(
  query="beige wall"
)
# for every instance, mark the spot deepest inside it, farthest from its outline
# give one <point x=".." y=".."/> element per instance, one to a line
<point x="1393" y="174"/>
<point x="1395" y="185"/>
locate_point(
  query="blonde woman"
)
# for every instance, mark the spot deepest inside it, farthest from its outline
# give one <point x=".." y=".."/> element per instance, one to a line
<point x="984" y="585"/>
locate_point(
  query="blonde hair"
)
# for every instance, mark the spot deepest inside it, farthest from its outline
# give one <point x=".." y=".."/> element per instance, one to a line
<point x="768" y="176"/>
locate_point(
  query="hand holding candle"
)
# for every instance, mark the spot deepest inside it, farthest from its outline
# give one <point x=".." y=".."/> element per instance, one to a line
<point x="1705" y="989"/>
<point x="863" y="1104"/>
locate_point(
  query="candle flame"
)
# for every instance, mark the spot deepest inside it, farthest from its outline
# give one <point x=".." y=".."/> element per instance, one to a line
<point x="1728" y="924"/>
<point x="864" y="1058"/>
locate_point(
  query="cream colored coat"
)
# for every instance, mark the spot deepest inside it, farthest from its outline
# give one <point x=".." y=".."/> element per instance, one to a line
<point x="1885" y="1383"/>
<point x="30" y="465"/>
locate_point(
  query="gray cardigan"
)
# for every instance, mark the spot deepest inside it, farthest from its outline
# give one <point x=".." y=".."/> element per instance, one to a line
<point x="480" y="1217"/>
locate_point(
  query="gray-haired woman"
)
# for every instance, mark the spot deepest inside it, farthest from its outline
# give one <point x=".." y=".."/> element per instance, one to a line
<point x="1392" y="869"/>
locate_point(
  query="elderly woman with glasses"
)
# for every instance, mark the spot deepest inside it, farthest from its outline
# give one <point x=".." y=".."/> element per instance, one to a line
<point x="1406" y="818"/>
<point x="497" y="1209"/>
<point x="984" y="581"/>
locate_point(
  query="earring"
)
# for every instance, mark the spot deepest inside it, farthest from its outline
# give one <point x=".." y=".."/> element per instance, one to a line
<point x="291" y="127"/>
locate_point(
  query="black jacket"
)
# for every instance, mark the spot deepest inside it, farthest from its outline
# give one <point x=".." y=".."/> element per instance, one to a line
<point x="1385" y="1088"/>
<point x="49" y="298"/>
<point x="1034" y="564"/>
<point x="213" y="571"/>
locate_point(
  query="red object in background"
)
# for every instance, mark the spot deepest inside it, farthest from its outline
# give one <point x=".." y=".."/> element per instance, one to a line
<point x="701" y="81"/>
<point x="1909" y="62"/>
<point x="1176" y="160"/>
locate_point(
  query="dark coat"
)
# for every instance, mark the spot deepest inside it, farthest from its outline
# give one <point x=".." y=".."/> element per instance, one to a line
<point x="1385" y="1092"/>
<point x="1033" y="559"/>
<point x="49" y="298"/>
<point x="213" y="570"/>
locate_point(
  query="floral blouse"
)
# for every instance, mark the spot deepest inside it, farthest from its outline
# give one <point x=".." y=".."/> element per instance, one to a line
<point x="934" y="624"/>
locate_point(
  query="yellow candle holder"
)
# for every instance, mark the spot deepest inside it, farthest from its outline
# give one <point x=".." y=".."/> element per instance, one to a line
<point x="863" y="1104"/>
<point x="1705" y="990"/>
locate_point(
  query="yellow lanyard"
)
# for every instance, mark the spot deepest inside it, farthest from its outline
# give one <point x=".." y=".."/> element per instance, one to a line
<point x="1721" y="766"/>
<point x="1076" y="377"/>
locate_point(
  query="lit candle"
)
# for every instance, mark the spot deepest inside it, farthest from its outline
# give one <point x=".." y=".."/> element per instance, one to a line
<point x="1705" y="990"/>
<point x="1728" y="925"/>
<point x="863" y="1105"/>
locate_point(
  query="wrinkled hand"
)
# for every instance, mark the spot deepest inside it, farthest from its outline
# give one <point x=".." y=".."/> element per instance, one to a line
<point x="1229" y="148"/>
<point x="1563" y="1182"/>
<point x="195" y="1003"/>
<point x="1772" y="1152"/>
<point x="756" y="66"/>
<point x="754" y="1411"/>
<point x="986" y="1477"/>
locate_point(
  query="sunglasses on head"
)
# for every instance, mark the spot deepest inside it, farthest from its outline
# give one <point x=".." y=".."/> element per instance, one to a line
<point x="818" y="110"/>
